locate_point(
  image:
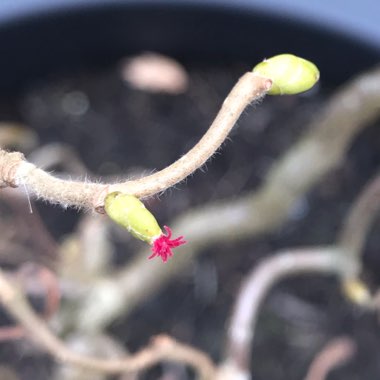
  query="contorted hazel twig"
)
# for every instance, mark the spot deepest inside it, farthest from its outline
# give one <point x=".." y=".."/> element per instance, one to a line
<point x="282" y="74"/>
<point x="288" y="74"/>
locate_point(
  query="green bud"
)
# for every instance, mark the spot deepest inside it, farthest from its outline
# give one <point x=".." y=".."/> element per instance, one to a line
<point x="290" y="74"/>
<point x="356" y="291"/>
<point x="130" y="212"/>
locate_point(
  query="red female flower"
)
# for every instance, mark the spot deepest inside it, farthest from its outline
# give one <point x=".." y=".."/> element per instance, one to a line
<point x="162" y="246"/>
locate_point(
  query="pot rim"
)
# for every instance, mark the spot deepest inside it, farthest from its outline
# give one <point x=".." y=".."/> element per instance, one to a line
<point x="356" y="20"/>
<point x="72" y="34"/>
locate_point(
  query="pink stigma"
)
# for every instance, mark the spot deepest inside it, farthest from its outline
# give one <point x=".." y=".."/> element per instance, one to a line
<point x="163" y="244"/>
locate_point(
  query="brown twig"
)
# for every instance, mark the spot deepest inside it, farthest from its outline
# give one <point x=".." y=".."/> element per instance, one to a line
<point x="15" y="171"/>
<point x="162" y="347"/>
<point x="334" y="354"/>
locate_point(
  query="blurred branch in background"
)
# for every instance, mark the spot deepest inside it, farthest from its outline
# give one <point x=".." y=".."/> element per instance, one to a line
<point x="100" y="345"/>
<point x="162" y="348"/>
<point x="337" y="259"/>
<point x="359" y="221"/>
<point x="257" y="285"/>
<point x="336" y="353"/>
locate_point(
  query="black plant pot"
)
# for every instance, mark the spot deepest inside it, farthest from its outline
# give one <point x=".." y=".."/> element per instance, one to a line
<point x="39" y="37"/>
<point x="43" y="37"/>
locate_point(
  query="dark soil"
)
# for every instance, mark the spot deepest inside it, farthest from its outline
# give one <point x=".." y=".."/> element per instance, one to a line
<point x="120" y="129"/>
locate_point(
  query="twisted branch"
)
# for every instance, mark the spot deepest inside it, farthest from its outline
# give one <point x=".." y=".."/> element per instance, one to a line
<point x="257" y="285"/>
<point x="162" y="348"/>
<point x="15" y="171"/>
